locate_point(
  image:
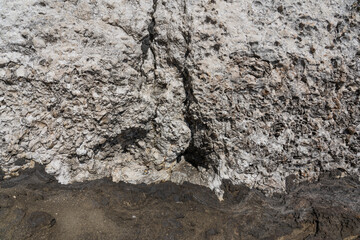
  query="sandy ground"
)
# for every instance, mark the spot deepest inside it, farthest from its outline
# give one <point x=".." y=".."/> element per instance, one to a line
<point x="35" y="206"/>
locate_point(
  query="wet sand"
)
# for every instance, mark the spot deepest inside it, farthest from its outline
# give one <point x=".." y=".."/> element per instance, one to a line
<point x="35" y="206"/>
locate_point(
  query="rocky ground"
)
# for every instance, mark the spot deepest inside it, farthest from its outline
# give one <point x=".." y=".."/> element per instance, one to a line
<point x="35" y="206"/>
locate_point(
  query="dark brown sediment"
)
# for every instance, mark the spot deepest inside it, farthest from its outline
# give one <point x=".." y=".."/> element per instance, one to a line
<point x="35" y="206"/>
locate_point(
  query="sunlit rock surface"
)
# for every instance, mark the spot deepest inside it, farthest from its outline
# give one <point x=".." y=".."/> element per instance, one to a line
<point x="147" y="91"/>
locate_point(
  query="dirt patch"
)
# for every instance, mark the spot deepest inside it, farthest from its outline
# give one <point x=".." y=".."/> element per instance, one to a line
<point x="35" y="206"/>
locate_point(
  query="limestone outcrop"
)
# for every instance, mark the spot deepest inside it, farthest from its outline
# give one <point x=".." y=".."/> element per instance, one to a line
<point x="258" y="92"/>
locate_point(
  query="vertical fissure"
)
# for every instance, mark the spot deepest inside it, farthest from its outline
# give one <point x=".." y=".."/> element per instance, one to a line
<point x="147" y="42"/>
<point x="151" y="30"/>
<point x="199" y="147"/>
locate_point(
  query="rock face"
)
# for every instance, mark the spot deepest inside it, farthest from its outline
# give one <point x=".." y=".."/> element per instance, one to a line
<point x="252" y="91"/>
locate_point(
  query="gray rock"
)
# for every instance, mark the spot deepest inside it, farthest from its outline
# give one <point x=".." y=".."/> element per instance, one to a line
<point x="248" y="91"/>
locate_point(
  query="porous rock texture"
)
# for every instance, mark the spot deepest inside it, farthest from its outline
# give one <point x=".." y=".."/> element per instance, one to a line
<point x="146" y="91"/>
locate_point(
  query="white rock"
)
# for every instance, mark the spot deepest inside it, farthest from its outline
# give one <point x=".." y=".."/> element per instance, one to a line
<point x="248" y="91"/>
<point x="38" y="42"/>
<point x="21" y="72"/>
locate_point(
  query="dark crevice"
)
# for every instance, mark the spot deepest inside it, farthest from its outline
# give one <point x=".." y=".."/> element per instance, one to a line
<point x="148" y="41"/>
<point x="152" y="34"/>
<point x="200" y="147"/>
<point x="145" y="45"/>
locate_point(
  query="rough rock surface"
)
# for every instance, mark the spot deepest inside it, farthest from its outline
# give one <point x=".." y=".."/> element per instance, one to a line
<point x="34" y="206"/>
<point x="252" y="91"/>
